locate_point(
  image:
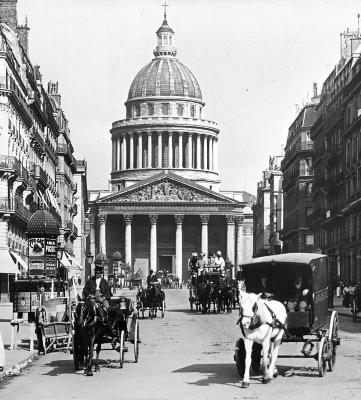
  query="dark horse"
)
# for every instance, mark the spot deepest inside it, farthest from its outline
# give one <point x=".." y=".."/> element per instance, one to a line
<point x="155" y="296"/>
<point x="89" y="331"/>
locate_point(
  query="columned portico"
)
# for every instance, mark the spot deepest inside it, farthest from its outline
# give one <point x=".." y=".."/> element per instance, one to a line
<point x="153" y="241"/>
<point x="102" y="219"/>
<point x="230" y="238"/>
<point x="204" y="234"/>
<point x="179" y="245"/>
<point x="128" y="238"/>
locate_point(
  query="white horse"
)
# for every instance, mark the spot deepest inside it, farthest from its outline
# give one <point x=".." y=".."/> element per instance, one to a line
<point x="261" y="321"/>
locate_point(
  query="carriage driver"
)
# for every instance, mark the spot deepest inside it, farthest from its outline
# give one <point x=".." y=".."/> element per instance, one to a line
<point x="151" y="278"/>
<point x="98" y="287"/>
<point x="219" y="262"/>
<point x="300" y="296"/>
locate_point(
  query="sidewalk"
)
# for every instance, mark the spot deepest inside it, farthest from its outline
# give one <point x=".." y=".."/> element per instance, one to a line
<point x="342" y="310"/>
<point x="16" y="359"/>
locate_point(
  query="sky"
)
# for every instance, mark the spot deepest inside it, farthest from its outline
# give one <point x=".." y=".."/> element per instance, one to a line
<point x="254" y="60"/>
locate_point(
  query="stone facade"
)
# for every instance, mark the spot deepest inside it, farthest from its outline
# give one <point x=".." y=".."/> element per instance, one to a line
<point x="164" y="202"/>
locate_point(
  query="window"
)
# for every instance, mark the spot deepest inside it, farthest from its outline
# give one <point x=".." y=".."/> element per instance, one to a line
<point x="136" y="111"/>
<point x="309" y="240"/>
<point x="193" y="111"/>
<point x="150" y="109"/>
<point x="165" y="108"/>
<point x="180" y="109"/>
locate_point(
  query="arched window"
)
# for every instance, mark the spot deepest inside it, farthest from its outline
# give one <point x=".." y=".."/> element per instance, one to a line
<point x="200" y="113"/>
<point x="170" y="40"/>
<point x="180" y="109"/>
<point x="165" y="39"/>
<point x="136" y="111"/>
<point x="165" y="108"/>
<point x="150" y="109"/>
<point x="193" y="111"/>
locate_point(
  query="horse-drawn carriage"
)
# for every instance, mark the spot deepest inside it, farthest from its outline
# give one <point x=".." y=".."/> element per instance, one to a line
<point x="152" y="299"/>
<point x="304" y="320"/>
<point x="356" y="301"/>
<point x="90" y="329"/>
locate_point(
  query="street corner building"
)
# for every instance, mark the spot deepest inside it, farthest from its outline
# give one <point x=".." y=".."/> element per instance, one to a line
<point x="165" y="200"/>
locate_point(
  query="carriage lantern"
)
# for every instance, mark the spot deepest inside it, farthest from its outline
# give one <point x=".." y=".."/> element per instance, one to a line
<point x="90" y="258"/>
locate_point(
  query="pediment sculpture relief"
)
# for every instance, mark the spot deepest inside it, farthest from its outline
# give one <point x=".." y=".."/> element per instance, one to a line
<point x="166" y="191"/>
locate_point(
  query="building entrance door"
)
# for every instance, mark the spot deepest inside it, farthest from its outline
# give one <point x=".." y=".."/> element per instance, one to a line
<point x="166" y="262"/>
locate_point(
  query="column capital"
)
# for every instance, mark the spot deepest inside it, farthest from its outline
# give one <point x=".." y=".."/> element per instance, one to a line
<point x="150" y="133"/>
<point x="170" y="133"/>
<point x="239" y="219"/>
<point x="139" y="133"/>
<point x="190" y="134"/>
<point x="179" y="219"/>
<point x="102" y="219"/>
<point x="180" y="133"/>
<point x="128" y="218"/>
<point x="153" y="218"/>
<point x="92" y="219"/>
<point x="159" y="133"/>
<point x="230" y="219"/>
<point x="131" y="134"/>
<point x="204" y="219"/>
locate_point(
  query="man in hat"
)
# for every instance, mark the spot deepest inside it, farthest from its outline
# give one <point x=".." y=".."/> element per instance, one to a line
<point x="299" y="297"/>
<point x="219" y="262"/>
<point x="201" y="263"/>
<point x="151" y="278"/>
<point x="98" y="287"/>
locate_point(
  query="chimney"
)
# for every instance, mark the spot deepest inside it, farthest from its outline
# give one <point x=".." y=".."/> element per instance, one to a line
<point x="53" y="88"/>
<point x="23" y="34"/>
<point x="8" y="13"/>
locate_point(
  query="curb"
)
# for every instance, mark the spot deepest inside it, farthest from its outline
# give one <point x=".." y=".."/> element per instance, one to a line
<point x="18" y="367"/>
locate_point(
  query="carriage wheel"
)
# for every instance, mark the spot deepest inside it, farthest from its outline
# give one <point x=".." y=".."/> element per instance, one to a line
<point x="136" y="341"/>
<point x="240" y="357"/>
<point x="256" y="357"/>
<point x="354" y="309"/>
<point x="121" y="347"/>
<point x="162" y="309"/>
<point x="333" y="340"/>
<point x="322" y="357"/>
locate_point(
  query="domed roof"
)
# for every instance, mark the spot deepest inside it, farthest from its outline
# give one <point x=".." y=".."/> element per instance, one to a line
<point x="42" y="223"/>
<point x="165" y="77"/>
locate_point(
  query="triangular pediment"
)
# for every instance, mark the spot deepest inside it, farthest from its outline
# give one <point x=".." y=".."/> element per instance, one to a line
<point x="166" y="187"/>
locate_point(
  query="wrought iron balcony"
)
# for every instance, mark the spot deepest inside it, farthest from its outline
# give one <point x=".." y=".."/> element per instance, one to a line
<point x="14" y="206"/>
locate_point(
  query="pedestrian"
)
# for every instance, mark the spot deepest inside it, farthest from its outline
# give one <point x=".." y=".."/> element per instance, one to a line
<point x="2" y="353"/>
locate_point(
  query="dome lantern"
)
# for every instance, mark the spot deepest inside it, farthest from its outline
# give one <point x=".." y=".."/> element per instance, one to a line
<point x="165" y="39"/>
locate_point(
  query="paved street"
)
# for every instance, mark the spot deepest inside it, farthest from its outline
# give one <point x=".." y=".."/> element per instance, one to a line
<point x="189" y="356"/>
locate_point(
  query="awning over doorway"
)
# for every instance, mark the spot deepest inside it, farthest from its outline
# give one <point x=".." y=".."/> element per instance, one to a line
<point x="19" y="260"/>
<point x="7" y="265"/>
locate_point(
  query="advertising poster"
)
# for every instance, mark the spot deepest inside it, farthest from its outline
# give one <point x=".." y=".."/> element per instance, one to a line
<point x="50" y="257"/>
<point x="36" y="256"/>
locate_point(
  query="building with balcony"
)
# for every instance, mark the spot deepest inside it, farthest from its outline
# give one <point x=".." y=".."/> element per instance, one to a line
<point x="268" y="193"/>
<point x="336" y="134"/>
<point x="297" y="184"/>
<point x="164" y="202"/>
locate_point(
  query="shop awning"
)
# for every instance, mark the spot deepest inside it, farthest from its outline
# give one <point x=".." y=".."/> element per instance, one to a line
<point x="7" y="265"/>
<point x="75" y="263"/>
<point x="19" y="260"/>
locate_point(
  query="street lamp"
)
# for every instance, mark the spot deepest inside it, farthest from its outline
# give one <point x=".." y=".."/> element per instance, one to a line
<point x="61" y="273"/>
<point x="90" y="258"/>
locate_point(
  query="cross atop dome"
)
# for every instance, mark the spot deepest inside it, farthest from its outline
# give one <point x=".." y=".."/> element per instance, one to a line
<point x="165" y="38"/>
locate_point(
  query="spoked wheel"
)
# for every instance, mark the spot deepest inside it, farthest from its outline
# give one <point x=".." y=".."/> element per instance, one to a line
<point x="121" y="348"/>
<point x="162" y="309"/>
<point x="240" y="357"/>
<point x="136" y="341"/>
<point x="322" y="357"/>
<point x="354" y="309"/>
<point x="333" y="340"/>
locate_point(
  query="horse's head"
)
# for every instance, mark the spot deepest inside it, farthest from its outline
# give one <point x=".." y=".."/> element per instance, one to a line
<point x="248" y="308"/>
<point x="87" y="312"/>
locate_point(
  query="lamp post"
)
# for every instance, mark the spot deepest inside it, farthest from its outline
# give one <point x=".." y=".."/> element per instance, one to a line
<point x="61" y="272"/>
<point x="116" y="260"/>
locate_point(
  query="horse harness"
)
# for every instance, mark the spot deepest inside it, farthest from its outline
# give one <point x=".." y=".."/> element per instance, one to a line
<point x="256" y="321"/>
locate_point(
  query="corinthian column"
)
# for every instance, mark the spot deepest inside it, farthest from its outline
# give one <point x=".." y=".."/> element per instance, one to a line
<point x="128" y="238"/>
<point x="198" y="158"/>
<point x="215" y="154"/>
<point x="131" y="151"/>
<point x="211" y="154"/>
<point x="140" y="150"/>
<point x="179" y="246"/>
<point x="180" y="150"/>
<point x="102" y="219"/>
<point x="230" y="240"/>
<point x="119" y="153"/>
<point x="190" y="150"/>
<point x="239" y="240"/>
<point x="124" y="152"/>
<point x="153" y="241"/>
<point x="114" y="157"/>
<point x="205" y="152"/>
<point x="149" y="150"/>
<point x="170" y="149"/>
<point x="160" y="149"/>
<point x="204" y="233"/>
